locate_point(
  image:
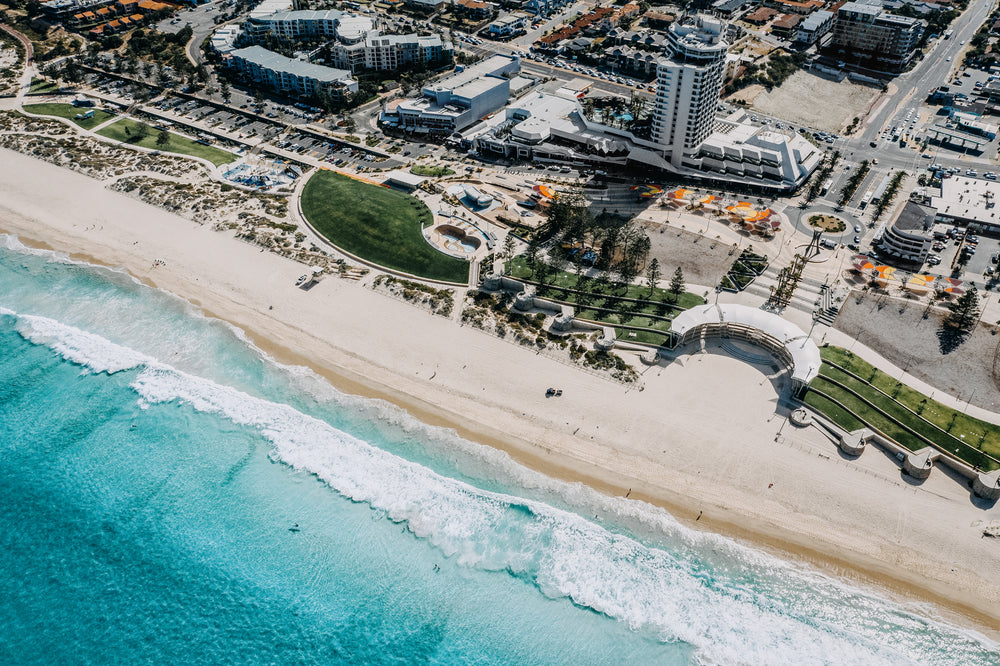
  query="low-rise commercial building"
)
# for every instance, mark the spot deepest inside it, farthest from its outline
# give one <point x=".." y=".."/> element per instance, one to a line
<point x="458" y="101"/>
<point x="967" y="200"/>
<point x="910" y="236"/>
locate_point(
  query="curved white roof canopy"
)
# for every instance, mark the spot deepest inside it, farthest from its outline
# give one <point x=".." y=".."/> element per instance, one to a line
<point x="805" y="355"/>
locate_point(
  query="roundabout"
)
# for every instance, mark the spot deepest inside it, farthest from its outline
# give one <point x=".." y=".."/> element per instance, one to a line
<point x="827" y="223"/>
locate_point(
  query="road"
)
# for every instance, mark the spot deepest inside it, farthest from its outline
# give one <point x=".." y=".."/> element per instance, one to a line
<point x="912" y="87"/>
<point x="29" y="62"/>
<point x="907" y="93"/>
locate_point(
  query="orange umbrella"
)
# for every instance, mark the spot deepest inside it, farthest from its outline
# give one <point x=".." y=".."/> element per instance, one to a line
<point x="545" y="191"/>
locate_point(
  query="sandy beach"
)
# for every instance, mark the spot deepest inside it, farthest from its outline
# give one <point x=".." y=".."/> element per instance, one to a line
<point x="703" y="437"/>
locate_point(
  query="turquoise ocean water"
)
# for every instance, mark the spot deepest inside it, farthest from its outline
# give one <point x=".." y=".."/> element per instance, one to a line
<point x="171" y="495"/>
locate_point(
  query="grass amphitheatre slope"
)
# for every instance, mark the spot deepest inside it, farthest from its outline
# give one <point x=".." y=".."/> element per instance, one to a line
<point x="377" y="224"/>
<point x="910" y="418"/>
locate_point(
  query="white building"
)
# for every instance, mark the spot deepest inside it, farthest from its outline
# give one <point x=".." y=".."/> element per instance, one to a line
<point x="969" y="201"/>
<point x="458" y="101"/>
<point x="910" y="236"/>
<point x="553" y="128"/>
<point x="508" y="26"/>
<point x="688" y="138"/>
<point x="356" y="44"/>
<point x="689" y="81"/>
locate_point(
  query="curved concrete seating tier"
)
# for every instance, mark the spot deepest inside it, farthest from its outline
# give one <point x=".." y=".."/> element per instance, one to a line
<point x="783" y="339"/>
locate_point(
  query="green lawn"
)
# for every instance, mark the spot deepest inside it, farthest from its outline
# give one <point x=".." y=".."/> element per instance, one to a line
<point x="432" y="171"/>
<point x="377" y="224"/>
<point x="177" y="144"/>
<point x="70" y="112"/>
<point x="42" y="86"/>
<point x="966" y="437"/>
<point x="648" y="337"/>
<point x="660" y="302"/>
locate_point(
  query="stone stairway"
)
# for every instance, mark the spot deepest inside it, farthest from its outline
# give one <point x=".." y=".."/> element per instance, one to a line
<point x="806" y="295"/>
<point x="828" y="309"/>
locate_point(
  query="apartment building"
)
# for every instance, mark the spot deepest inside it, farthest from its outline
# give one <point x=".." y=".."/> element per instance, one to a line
<point x="292" y="77"/>
<point x="864" y="34"/>
<point x="355" y="43"/>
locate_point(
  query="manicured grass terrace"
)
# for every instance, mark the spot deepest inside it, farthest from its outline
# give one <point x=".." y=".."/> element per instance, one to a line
<point x="560" y="286"/>
<point x="906" y="415"/>
<point x="177" y="144"/>
<point x="377" y="224"/>
<point x="69" y="112"/>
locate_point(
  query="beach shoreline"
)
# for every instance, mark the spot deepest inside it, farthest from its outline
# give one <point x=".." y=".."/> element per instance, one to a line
<point x="359" y="354"/>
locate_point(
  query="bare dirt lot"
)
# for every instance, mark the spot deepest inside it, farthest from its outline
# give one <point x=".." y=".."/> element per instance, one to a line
<point x="898" y="330"/>
<point x="812" y="100"/>
<point x="703" y="260"/>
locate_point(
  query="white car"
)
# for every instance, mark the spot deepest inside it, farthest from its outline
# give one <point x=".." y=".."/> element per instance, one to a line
<point x="301" y="279"/>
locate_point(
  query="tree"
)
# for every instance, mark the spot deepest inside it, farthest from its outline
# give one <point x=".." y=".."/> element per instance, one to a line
<point x="508" y="246"/>
<point x="163" y="138"/>
<point x="531" y="257"/>
<point x="964" y="256"/>
<point x="677" y="283"/>
<point x="141" y="131"/>
<point x="964" y="312"/>
<point x="224" y="90"/>
<point x="653" y="274"/>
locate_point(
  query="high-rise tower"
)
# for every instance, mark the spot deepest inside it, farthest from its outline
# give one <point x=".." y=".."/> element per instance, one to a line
<point x="689" y="80"/>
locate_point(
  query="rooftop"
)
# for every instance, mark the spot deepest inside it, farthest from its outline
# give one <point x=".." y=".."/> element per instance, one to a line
<point x="861" y="8"/>
<point x="268" y="7"/>
<point x="915" y="218"/>
<point x="306" y="15"/>
<point x="816" y="19"/>
<point x="969" y="199"/>
<point x="472" y="80"/>
<point x="279" y="63"/>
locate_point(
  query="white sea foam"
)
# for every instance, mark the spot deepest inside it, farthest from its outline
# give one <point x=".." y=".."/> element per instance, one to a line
<point x="761" y="611"/>
<point x="564" y="554"/>
<point x="86" y="349"/>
